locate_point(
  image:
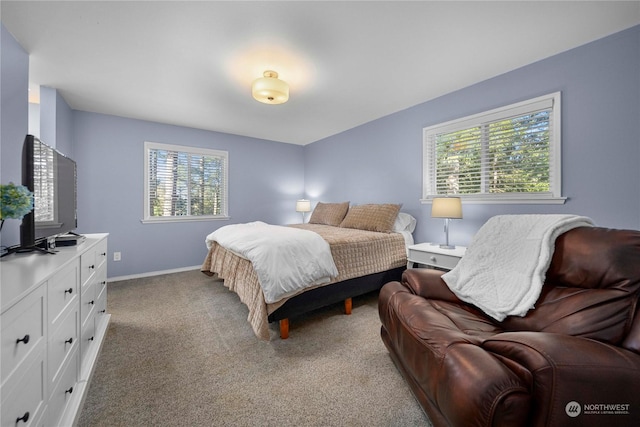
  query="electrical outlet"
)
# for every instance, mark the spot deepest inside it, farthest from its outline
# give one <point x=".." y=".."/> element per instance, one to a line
<point x="117" y="256"/>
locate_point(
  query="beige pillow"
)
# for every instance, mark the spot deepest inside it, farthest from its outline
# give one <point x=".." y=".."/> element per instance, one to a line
<point x="372" y="217"/>
<point x="329" y="213"/>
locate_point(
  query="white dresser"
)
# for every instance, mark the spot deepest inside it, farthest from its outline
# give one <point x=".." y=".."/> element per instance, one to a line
<point x="53" y="322"/>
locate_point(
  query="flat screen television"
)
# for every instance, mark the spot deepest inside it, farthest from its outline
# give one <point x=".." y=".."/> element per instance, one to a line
<point x="51" y="176"/>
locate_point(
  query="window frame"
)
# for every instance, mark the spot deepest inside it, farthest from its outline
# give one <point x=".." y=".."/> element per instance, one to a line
<point x="554" y="196"/>
<point x="147" y="218"/>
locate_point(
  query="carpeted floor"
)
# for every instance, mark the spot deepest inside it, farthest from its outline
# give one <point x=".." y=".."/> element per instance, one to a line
<point x="179" y="352"/>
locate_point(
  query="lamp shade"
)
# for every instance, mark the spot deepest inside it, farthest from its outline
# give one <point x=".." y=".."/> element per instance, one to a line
<point x="303" y="205"/>
<point x="270" y="89"/>
<point x="446" y="207"/>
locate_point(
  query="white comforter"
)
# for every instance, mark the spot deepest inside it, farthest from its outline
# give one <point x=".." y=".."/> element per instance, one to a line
<point x="504" y="267"/>
<point x="286" y="259"/>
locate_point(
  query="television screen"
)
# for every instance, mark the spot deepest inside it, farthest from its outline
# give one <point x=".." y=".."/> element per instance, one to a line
<point x="51" y="176"/>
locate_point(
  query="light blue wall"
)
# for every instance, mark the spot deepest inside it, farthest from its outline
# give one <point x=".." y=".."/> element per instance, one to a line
<point x="265" y="180"/>
<point x="381" y="161"/>
<point x="56" y="121"/>
<point x="48" y="115"/>
<point x="14" y="116"/>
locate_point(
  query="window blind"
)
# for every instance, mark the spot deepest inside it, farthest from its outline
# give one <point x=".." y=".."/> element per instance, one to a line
<point x="43" y="173"/>
<point x="503" y="152"/>
<point x="185" y="182"/>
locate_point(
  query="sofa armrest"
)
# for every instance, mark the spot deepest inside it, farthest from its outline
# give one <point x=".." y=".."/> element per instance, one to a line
<point x="580" y="370"/>
<point x="428" y="283"/>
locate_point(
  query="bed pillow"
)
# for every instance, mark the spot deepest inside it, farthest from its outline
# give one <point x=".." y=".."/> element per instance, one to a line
<point x="371" y="217"/>
<point x="329" y="213"/>
<point x="404" y="222"/>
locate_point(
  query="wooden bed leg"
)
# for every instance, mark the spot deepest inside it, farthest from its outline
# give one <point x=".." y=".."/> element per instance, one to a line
<point x="348" y="304"/>
<point x="284" y="329"/>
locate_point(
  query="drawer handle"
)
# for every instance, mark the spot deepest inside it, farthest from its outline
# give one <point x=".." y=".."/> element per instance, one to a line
<point x="68" y="291"/>
<point x="90" y="339"/>
<point x="23" y="418"/>
<point x="69" y="390"/>
<point x="102" y="311"/>
<point x="91" y="267"/>
<point x="90" y="302"/>
<point x="25" y="340"/>
<point x="103" y="254"/>
<point x="104" y="282"/>
<point x="69" y="341"/>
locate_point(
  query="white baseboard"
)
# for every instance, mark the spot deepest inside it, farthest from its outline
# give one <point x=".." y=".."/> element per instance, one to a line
<point x="152" y="273"/>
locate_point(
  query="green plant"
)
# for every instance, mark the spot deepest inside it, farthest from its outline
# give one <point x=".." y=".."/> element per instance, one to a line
<point x="15" y="201"/>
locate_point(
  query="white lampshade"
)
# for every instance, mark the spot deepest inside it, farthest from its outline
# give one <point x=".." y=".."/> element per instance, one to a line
<point x="270" y="89"/>
<point x="446" y="207"/>
<point x="303" y="205"/>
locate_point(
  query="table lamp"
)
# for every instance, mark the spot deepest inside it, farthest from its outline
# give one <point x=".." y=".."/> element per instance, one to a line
<point x="303" y="206"/>
<point x="447" y="208"/>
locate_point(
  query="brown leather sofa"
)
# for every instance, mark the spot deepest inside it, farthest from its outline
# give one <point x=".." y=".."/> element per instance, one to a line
<point x="574" y="360"/>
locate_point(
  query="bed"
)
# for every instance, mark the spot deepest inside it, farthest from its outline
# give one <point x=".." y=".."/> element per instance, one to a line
<point x="367" y="243"/>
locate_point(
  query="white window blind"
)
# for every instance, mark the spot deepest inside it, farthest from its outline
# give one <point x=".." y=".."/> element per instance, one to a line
<point x="510" y="153"/>
<point x="184" y="183"/>
<point x="44" y="185"/>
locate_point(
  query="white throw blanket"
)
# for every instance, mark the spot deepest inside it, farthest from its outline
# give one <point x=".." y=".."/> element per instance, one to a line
<point x="286" y="259"/>
<point x="504" y="267"/>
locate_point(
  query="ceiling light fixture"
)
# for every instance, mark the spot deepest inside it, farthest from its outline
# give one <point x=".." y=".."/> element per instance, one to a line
<point x="270" y="89"/>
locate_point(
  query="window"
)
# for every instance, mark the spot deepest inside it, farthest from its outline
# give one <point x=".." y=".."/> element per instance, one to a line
<point x="183" y="183"/>
<point x="44" y="168"/>
<point x="507" y="155"/>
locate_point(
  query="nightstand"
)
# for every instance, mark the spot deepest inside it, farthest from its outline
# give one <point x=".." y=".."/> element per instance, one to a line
<point x="433" y="255"/>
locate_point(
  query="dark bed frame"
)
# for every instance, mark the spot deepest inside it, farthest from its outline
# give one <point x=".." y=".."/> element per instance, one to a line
<point x="331" y="294"/>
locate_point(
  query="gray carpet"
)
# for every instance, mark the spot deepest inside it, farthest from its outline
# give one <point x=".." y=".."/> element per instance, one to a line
<point x="179" y="352"/>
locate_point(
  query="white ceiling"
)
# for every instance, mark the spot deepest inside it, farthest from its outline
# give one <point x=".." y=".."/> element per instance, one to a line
<point x="192" y="63"/>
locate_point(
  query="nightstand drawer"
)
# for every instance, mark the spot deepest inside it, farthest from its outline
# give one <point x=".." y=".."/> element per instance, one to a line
<point x="435" y="260"/>
<point x="435" y="256"/>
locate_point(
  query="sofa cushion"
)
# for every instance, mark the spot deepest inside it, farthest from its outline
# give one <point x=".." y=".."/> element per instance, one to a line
<point x="591" y="287"/>
<point x="596" y="258"/>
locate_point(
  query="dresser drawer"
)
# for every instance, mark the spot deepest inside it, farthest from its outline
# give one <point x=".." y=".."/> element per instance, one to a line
<point x="62" y="393"/>
<point x="23" y="331"/>
<point x="87" y="340"/>
<point x="63" y="290"/>
<point x="101" y="303"/>
<point x="62" y="343"/>
<point x="101" y="254"/>
<point x="87" y="303"/>
<point x="101" y="280"/>
<point x="23" y="403"/>
<point x="87" y="266"/>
